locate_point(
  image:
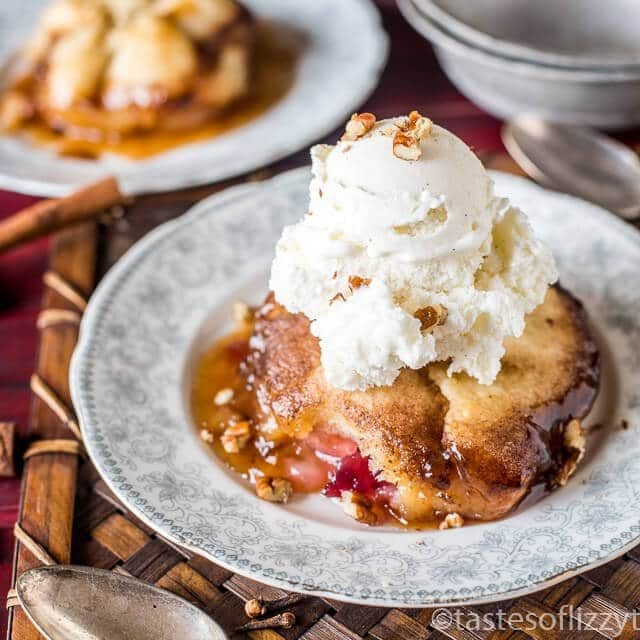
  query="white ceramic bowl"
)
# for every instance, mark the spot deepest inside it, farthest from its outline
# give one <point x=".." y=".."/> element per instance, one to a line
<point x="570" y="33"/>
<point x="507" y="87"/>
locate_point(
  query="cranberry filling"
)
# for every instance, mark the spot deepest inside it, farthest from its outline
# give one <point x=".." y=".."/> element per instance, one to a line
<point x="353" y="474"/>
<point x="333" y="464"/>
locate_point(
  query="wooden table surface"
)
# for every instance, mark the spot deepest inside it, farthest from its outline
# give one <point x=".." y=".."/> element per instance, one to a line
<point x="412" y="80"/>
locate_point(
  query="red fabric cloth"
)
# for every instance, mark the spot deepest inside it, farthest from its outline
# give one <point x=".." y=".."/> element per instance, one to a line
<point x="412" y="80"/>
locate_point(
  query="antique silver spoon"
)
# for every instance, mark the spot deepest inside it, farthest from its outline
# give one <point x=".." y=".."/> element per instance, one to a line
<point x="578" y="161"/>
<point x="83" y="603"/>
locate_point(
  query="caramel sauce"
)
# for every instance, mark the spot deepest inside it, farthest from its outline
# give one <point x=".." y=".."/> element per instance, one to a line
<point x="274" y="67"/>
<point x="310" y="465"/>
<point x="281" y="457"/>
<point x="314" y="463"/>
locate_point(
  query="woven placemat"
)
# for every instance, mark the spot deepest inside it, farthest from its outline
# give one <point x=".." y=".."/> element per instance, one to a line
<point x="67" y="514"/>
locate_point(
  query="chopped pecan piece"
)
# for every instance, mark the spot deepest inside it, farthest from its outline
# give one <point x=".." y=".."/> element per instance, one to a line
<point x="406" y="147"/>
<point x="355" y="282"/>
<point x="236" y="436"/>
<point x="451" y="521"/>
<point x="419" y="126"/>
<point x="358" y="507"/>
<point x="359" y="125"/>
<point x="406" y="141"/>
<point x="273" y="489"/>
<point x="431" y="316"/>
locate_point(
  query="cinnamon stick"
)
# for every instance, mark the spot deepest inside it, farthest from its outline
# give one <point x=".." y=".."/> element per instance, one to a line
<point x="47" y="216"/>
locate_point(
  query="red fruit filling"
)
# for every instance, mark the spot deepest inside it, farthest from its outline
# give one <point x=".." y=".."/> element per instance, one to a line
<point x="322" y="461"/>
<point x="331" y="444"/>
<point x="333" y="464"/>
<point x="353" y="474"/>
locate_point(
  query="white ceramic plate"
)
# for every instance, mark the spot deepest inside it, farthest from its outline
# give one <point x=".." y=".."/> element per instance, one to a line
<point x="164" y="302"/>
<point x="340" y="66"/>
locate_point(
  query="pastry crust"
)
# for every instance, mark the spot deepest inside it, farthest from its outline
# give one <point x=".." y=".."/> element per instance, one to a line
<point x="449" y="444"/>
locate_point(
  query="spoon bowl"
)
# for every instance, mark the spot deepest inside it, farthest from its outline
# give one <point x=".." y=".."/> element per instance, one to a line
<point x="84" y="603"/>
<point x="578" y="161"/>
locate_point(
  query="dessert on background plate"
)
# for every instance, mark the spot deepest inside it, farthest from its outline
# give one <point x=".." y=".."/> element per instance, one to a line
<point x="414" y="360"/>
<point x="298" y="53"/>
<point x="110" y="75"/>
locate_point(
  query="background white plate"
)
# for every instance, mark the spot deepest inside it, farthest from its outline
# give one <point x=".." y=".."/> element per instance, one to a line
<point x="339" y="68"/>
<point x="163" y="303"/>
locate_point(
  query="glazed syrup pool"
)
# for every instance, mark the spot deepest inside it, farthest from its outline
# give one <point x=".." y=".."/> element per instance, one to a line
<point x="322" y="462"/>
<point x="277" y="51"/>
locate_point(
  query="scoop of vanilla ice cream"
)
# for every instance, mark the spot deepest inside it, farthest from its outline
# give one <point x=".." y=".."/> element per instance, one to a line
<point x="385" y="239"/>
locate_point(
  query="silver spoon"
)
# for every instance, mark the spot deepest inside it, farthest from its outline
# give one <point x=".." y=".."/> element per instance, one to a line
<point x="83" y="603"/>
<point x="578" y="161"/>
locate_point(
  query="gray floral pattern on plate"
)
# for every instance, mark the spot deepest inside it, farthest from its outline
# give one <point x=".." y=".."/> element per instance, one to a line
<point x="171" y="293"/>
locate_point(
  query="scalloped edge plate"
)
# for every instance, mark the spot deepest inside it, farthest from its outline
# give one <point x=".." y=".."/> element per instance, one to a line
<point x="165" y="300"/>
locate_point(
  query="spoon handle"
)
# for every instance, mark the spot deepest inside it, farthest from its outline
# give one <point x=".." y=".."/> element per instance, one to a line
<point x="47" y="216"/>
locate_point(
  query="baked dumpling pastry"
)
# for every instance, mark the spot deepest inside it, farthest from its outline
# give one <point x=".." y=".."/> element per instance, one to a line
<point x="107" y="68"/>
<point x="441" y="448"/>
<point x="416" y="359"/>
